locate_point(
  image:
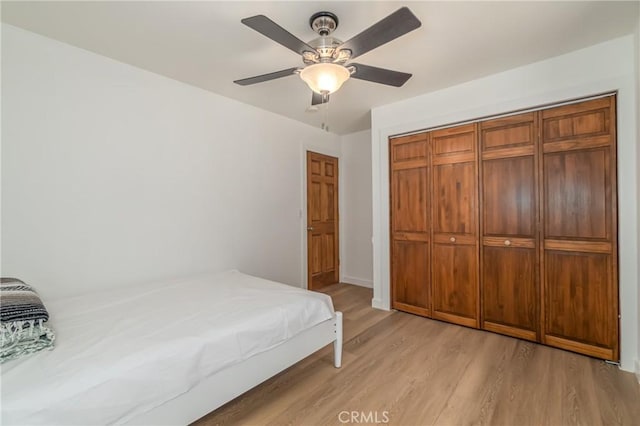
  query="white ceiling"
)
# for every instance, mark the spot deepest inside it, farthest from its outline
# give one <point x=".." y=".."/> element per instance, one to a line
<point x="204" y="44"/>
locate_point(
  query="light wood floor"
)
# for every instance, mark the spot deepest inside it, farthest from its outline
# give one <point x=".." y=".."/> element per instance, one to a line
<point x="425" y="372"/>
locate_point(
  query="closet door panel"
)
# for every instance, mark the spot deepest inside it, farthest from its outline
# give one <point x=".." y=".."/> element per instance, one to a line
<point x="577" y="194"/>
<point x="510" y="132"/>
<point x="411" y="276"/>
<point x="510" y="300"/>
<point x="578" y="316"/>
<point x="454" y="199"/>
<point x="581" y="121"/>
<point x="410" y="208"/>
<point x="404" y="150"/>
<point x="453" y="142"/>
<point x="454" y="283"/>
<point x="508" y="188"/>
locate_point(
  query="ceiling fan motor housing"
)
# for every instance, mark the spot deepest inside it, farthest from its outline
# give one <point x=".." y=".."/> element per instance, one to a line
<point x="326" y="50"/>
<point x="324" y="23"/>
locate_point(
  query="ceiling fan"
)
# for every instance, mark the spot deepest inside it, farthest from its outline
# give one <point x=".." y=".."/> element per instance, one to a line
<point x="326" y="57"/>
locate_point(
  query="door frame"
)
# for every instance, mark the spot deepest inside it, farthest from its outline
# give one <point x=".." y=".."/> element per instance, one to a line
<point x="303" y="208"/>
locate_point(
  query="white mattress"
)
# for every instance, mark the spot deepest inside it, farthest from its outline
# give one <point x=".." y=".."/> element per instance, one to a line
<point x="120" y="354"/>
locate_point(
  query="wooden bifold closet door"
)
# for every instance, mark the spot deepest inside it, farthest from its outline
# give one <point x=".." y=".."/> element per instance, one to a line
<point x="454" y="225"/>
<point x="509" y="225"/>
<point x="579" y="228"/>
<point x="509" y="215"/>
<point x="410" y="224"/>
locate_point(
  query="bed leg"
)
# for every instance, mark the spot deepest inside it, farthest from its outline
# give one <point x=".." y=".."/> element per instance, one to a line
<point x="337" y="344"/>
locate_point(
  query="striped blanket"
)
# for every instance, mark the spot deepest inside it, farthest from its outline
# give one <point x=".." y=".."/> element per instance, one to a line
<point x="22" y="321"/>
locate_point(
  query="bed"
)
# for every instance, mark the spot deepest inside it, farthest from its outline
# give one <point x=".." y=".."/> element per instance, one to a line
<point x="166" y="354"/>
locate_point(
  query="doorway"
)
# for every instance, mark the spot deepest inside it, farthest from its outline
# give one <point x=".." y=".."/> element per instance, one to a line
<point x="323" y="261"/>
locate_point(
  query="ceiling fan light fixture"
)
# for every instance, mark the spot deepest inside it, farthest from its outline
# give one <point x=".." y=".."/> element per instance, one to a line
<point x="325" y="78"/>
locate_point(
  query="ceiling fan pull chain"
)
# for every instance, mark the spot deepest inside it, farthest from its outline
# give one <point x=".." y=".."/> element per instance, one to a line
<point x="325" y="124"/>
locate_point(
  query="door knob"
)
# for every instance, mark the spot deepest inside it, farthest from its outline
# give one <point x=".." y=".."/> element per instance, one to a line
<point x="452" y="239"/>
<point x="309" y="228"/>
<point x="507" y="243"/>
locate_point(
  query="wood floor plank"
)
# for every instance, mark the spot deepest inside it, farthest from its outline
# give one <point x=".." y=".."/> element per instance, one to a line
<point x="425" y="372"/>
<point x="475" y="396"/>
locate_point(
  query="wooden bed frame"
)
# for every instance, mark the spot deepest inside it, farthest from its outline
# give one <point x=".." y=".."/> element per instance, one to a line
<point x="225" y="385"/>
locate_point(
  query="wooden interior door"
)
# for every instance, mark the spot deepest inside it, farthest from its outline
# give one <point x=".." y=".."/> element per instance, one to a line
<point x="410" y="231"/>
<point x="454" y="201"/>
<point x="579" y="254"/>
<point x="323" y="265"/>
<point x="509" y="217"/>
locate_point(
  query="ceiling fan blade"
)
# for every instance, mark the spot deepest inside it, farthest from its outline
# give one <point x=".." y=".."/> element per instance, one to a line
<point x="266" y="77"/>
<point x="380" y="75"/>
<point x="275" y="32"/>
<point x="393" y="26"/>
<point x="318" y="99"/>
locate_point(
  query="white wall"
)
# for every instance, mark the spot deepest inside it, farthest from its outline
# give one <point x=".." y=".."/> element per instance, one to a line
<point x="357" y="252"/>
<point x="112" y="175"/>
<point x="604" y="67"/>
<point x="637" y="73"/>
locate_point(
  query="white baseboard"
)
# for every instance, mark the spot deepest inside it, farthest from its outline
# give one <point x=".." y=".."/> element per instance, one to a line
<point x="357" y="281"/>
<point x="377" y="304"/>
<point x="638" y="370"/>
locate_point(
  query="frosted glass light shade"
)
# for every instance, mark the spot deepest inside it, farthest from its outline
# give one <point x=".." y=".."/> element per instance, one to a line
<point x="324" y="77"/>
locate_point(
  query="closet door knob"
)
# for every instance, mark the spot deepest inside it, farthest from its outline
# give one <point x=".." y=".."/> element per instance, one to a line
<point x="507" y="242"/>
<point x="452" y="239"/>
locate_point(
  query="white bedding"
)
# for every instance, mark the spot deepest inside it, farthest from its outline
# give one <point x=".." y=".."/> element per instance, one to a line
<point x="123" y="353"/>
